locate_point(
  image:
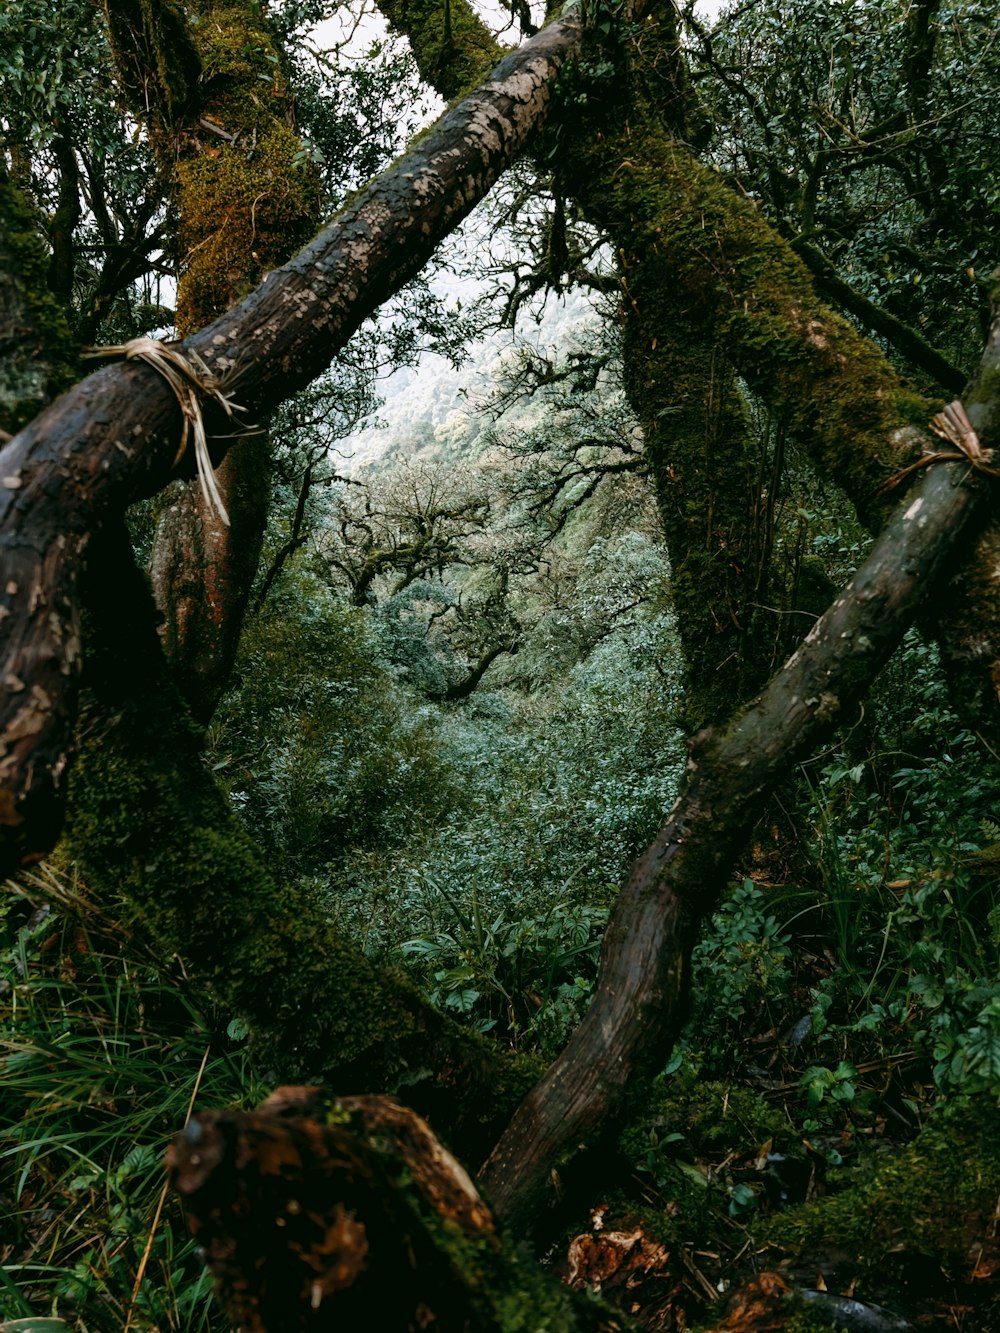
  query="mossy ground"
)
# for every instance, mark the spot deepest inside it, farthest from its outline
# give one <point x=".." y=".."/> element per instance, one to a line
<point x="908" y="1227"/>
<point x="917" y="1230"/>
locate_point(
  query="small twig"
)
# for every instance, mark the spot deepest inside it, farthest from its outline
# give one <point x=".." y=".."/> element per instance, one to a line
<point x="212" y="128"/>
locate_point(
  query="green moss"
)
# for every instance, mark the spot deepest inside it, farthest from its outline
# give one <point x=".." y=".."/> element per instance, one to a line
<point x="684" y="1122"/>
<point x="222" y="126"/>
<point x="241" y="214"/>
<point x="921" y="1213"/>
<point x="247" y="195"/>
<point x="830" y="387"/>
<point x="155" y="58"/>
<point x="453" y="49"/>
<point x="713" y="295"/>
<point x="714" y="1118"/>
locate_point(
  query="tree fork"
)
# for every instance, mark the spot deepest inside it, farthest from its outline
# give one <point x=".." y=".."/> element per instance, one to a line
<point x="639" y="1000"/>
<point x="113" y="438"/>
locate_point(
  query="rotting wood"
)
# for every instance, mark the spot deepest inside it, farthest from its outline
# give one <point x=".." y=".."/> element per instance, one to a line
<point x="316" y="1213"/>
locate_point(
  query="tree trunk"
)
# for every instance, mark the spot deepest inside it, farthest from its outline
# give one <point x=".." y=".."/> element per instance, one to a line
<point x="113" y="439"/>
<point x="639" y="1001"/>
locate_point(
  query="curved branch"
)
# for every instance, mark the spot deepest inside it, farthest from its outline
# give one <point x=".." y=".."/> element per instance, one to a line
<point x="639" y="1002"/>
<point x="113" y="438"/>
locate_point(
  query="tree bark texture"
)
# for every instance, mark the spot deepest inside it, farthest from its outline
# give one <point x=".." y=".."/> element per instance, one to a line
<point x="639" y="1000"/>
<point x="315" y="1215"/>
<point x="246" y="198"/>
<point x="202" y="571"/>
<point x="113" y="439"/>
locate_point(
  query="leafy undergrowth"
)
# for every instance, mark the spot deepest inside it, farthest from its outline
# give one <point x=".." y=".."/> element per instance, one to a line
<point x="831" y="1110"/>
<point x="829" y="1114"/>
<point x="102" y="1058"/>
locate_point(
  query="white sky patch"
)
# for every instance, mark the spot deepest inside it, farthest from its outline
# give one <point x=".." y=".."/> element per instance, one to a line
<point x="434" y="393"/>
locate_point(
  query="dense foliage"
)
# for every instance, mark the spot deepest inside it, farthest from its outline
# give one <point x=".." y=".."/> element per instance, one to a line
<point x="457" y="711"/>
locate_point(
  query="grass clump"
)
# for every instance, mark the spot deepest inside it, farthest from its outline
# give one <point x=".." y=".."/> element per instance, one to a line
<point x="103" y="1055"/>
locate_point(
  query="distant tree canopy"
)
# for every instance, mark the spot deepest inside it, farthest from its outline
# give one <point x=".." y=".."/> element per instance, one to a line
<point x="786" y="221"/>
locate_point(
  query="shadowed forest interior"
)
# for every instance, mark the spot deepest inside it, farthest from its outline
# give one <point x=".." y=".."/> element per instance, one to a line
<point x="500" y="635"/>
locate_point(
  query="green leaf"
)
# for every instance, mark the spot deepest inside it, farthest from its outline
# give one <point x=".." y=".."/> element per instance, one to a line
<point x="33" y="1325"/>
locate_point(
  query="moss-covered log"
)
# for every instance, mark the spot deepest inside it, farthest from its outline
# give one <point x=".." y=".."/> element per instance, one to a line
<point x="639" y="1001"/>
<point x="916" y="1232"/>
<point x="350" y="1214"/>
<point x="113" y="439"/>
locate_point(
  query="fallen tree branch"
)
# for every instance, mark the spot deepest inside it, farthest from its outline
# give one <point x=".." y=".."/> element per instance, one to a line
<point x="640" y="999"/>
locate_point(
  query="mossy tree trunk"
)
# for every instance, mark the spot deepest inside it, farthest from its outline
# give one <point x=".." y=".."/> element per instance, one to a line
<point x="688" y="246"/>
<point x="112" y="440"/>
<point x="684" y="238"/>
<point x="709" y="292"/>
<point x="148" y="817"/>
<point x="207" y="77"/>
<point x="150" y="829"/>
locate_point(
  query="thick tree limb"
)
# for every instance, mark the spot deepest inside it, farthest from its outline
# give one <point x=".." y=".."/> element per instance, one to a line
<point x="113" y="438"/>
<point x="640" y="997"/>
